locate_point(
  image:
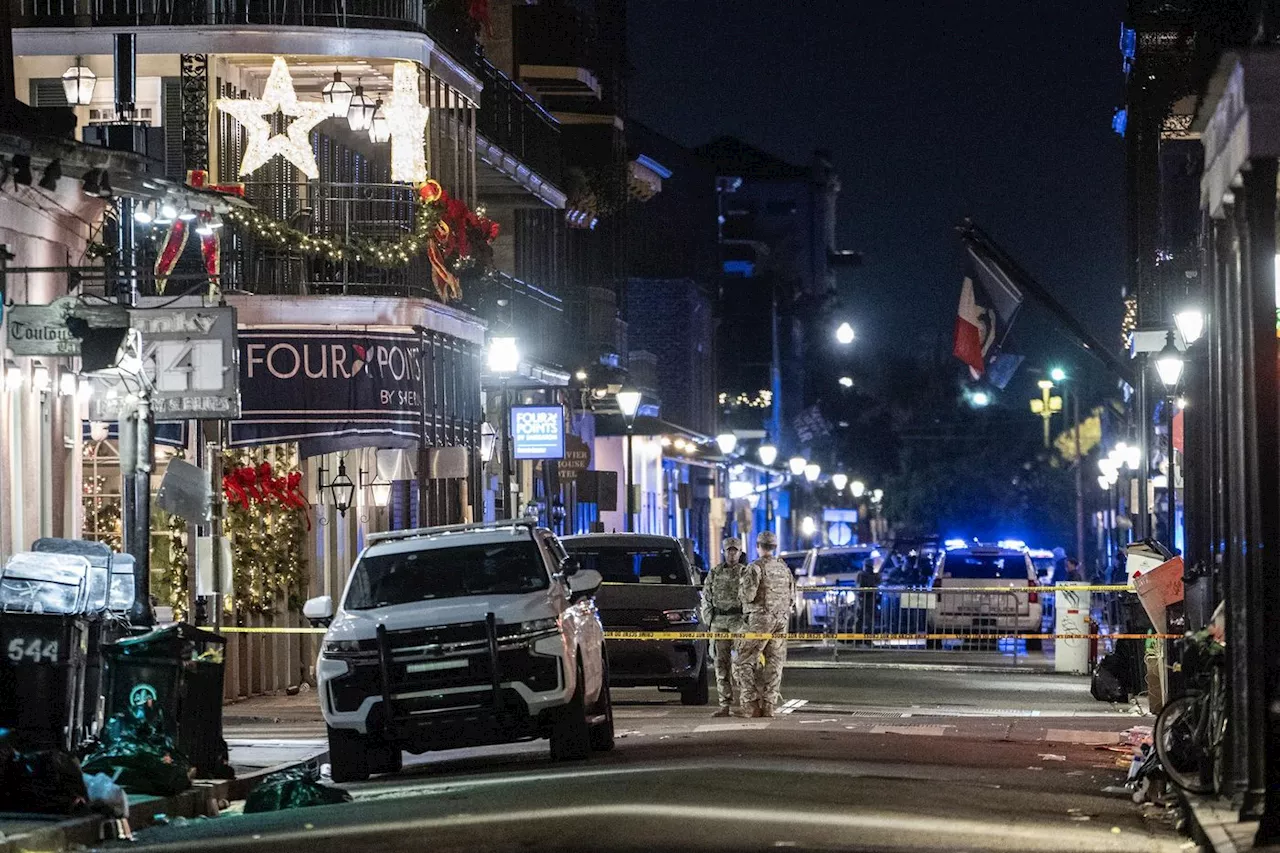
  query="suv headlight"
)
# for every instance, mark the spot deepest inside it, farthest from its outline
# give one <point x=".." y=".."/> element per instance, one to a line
<point x="350" y="648"/>
<point x="680" y="617"/>
<point x="538" y="626"/>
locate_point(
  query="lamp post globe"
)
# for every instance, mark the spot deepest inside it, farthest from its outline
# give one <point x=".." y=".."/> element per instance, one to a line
<point x="503" y="356"/>
<point x="768" y="455"/>
<point x="857" y="488"/>
<point x="844" y="334"/>
<point x="1190" y="323"/>
<point x="839" y="480"/>
<point x="796" y="464"/>
<point x="1169" y="364"/>
<point x="727" y="442"/>
<point x="812" y="471"/>
<point x="1057" y="374"/>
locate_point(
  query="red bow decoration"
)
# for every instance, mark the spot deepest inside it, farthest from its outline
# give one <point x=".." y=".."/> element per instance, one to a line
<point x="175" y="241"/>
<point x="459" y="234"/>
<point x="478" y="12"/>
<point x="249" y="485"/>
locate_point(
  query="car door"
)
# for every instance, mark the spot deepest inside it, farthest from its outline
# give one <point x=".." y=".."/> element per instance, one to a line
<point x="581" y="623"/>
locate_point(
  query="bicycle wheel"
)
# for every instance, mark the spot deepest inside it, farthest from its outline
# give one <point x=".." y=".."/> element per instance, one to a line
<point x="1178" y="739"/>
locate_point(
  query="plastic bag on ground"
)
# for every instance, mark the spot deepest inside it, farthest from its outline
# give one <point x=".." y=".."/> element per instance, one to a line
<point x="42" y="782"/>
<point x="105" y="793"/>
<point x="136" y="752"/>
<point x="298" y="788"/>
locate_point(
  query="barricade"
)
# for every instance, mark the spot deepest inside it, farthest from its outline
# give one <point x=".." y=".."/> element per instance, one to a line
<point x="843" y="617"/>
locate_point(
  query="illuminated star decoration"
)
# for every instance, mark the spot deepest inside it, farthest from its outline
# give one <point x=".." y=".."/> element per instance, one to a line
<point x="407" y="118"/>
<point x="294" y="144"/>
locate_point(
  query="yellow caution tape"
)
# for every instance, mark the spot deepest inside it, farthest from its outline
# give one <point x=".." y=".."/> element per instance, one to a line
<point x="237" y="630"/>
<point x="810" y="637"/>
<point x="943" y="590"/>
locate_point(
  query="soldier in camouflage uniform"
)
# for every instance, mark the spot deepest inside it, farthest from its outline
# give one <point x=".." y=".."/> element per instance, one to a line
<point x="722" y="611"/>
<point x="767" y="592"/>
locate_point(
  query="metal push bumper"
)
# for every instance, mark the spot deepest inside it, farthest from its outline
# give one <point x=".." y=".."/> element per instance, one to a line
<point x="517" y="699"/>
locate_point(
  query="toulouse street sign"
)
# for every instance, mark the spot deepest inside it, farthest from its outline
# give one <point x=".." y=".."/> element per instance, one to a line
<point x="42" y="329"/>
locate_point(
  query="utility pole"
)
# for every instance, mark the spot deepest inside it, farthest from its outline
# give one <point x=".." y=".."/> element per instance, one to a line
<point x="136" y="419"/>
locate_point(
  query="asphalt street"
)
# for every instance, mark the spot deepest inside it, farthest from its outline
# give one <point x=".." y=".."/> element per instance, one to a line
<point x="870" y="753"/>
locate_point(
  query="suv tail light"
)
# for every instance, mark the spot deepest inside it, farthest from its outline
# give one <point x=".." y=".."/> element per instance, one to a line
<point x="1032" y="597"/>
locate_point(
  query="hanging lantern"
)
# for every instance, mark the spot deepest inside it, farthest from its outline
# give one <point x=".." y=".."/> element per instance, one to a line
<point x="77" y="84"/>
<point x="360" y="113"/>
<point x="379" y="128"/>
<point x="337" y="96"/>
<point x="342" y="489"/>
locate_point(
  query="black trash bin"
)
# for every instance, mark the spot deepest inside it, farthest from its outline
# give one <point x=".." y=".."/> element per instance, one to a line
<point x="42" y="672"/>
<point x="176" y="671"/>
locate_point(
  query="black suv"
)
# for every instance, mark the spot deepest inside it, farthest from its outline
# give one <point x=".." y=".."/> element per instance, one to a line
<point x="649" y="585"/>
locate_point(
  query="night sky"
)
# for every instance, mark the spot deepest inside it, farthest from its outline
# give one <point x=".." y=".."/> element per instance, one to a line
<point x="998" y="109"/>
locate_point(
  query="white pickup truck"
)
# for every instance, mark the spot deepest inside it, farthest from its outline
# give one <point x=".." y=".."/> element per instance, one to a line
<point x="461" y="636"/>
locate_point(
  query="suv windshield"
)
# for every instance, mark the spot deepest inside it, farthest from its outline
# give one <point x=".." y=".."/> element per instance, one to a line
<point x="628" y="565"/>
<point x="997" y="566"/>
<point x="494" y="568"/>
<point x="843" y="563"/>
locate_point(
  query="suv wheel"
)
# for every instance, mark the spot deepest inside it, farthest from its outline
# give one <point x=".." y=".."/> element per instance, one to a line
<point x="348" y="756"/>
<point x="698" y="692"/>
<point x="602" y="730"/>
<point x="571" y="736"/>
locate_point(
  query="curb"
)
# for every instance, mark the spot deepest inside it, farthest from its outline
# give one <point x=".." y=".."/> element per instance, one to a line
<point x="1211" y="822"/>
<point x="193" y="802"/>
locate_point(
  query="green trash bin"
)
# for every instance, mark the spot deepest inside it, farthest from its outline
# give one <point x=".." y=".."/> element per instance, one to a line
<point x="175" y="673"/>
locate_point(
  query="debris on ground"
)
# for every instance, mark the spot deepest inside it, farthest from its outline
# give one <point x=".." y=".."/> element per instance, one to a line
<point x="298" y="788"/>
<point x="136" y="752"/>
<point x="41" y="782"/>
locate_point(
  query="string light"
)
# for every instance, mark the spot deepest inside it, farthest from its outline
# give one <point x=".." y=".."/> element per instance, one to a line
<point x="407" y="120"/>
<point x="294" y="145"/>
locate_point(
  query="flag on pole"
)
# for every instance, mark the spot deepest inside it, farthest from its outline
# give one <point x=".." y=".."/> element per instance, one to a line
<point x="988" y="302"/>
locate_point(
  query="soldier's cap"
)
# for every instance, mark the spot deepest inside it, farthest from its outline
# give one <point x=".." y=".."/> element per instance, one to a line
<point x="731" y="542"/>
<point x="767" y="539"/>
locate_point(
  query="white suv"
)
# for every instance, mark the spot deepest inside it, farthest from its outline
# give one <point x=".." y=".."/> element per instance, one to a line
<point x="460" y="636"/>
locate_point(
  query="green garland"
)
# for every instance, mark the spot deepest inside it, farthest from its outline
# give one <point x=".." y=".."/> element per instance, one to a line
<point x="385" y="254"/>
<point x="169" y="556"/>
<point x="268" y="543"/>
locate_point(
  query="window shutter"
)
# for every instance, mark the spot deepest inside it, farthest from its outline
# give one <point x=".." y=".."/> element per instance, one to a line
<point x="175" y="164"/>
<point x="47" y="92"/>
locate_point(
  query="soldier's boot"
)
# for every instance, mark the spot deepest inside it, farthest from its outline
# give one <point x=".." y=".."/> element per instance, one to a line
<point x="765" y="710"/>
<point x="723" y="712"/>
<point x="746" y="709"/>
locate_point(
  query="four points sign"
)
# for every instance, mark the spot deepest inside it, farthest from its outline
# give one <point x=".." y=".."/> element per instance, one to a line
<point x="538" y="432"/>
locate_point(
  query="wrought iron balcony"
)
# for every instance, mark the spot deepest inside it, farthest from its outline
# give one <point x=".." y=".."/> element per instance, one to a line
<point x="511" y="119"/>
<point x="534" y="315"/>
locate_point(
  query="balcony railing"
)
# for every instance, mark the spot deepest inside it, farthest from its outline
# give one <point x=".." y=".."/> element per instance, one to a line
<point x="343" y="211"/>
<point x="375" y="14"/>
<point x="533" y="314"/>
<point x="511" y="119"/>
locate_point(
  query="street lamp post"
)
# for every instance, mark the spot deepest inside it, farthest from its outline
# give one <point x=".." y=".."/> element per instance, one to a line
<point x="1059" y="375"/>
<point x="1169" y="364"/>
<point x="629" y="404"/>
<point x="768" y="455"/>
<point x="504" y="360"/>
<point x="1046" y="406"/>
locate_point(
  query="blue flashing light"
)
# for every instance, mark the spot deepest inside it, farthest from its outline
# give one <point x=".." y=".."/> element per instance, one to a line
<point x="1120" y="121"/>
<point x="743" y="268"/>
<point x="1013" y="544"/>
<point x="953" y="544"/>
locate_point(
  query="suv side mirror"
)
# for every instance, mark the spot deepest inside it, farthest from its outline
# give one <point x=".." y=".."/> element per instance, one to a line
<point x="584" y="583"/>
<point x="570" y="566"/>
<point x="319" y="611"/>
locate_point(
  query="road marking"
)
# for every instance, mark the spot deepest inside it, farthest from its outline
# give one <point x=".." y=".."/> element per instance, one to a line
<point x="928" y="731"/>
<point x="730" y="727"/>
<point x="792" y="705"/>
